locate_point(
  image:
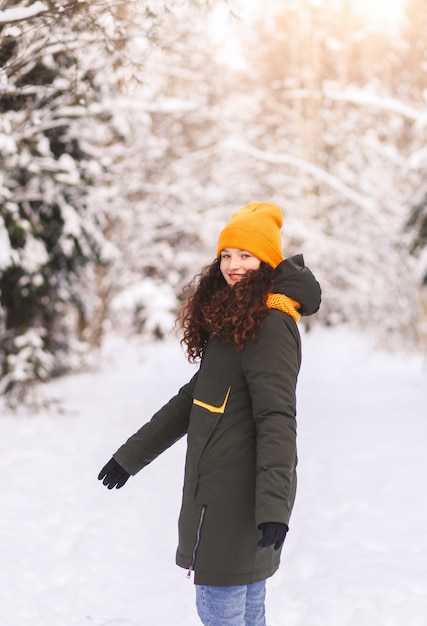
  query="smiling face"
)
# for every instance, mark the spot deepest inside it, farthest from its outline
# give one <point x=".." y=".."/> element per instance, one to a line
<point x="235" y="263"/>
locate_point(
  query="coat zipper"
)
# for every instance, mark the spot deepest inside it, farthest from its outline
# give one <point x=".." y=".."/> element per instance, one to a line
<point x="196" y="545"/>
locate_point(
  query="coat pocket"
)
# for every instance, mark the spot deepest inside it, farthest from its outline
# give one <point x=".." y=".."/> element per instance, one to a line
<point x="211" y="395"/>
<point x="209" y="404"/>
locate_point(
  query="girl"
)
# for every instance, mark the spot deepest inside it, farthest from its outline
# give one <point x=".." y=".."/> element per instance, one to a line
<point x="239" y="414"/>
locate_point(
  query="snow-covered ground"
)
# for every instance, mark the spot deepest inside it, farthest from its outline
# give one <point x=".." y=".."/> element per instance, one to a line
<point x="73" y="553"/>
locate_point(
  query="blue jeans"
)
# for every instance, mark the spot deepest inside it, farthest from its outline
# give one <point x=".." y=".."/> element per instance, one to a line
<point x="242" y="605"/>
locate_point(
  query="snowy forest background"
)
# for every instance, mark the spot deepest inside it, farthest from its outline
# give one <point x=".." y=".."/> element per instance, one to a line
<point x="130" y="131"/>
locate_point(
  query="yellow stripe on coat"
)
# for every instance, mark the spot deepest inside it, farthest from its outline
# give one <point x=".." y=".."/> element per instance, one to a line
<point x="211" y="407"/>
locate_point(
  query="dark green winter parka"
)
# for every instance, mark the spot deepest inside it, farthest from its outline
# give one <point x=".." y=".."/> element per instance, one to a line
<point x="238" y="413"/>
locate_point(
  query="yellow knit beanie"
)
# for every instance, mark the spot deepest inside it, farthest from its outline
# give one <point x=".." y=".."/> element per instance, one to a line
<point x="256" y="229"/>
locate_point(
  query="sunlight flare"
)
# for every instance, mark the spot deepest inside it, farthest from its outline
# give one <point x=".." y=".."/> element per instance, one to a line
<point x="381" y="12"/>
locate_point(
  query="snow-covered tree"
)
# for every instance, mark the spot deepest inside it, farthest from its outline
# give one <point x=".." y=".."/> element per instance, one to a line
<point x="306" y="108"/>
<point x="131" y="131"/>
<point x="317" y="122"/>
<point x="169" y="194"/>
<point x="64" y="69"/>
<point x="52" y="131"/>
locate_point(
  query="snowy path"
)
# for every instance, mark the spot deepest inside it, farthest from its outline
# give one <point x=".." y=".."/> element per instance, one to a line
<point x="75" y="554"/>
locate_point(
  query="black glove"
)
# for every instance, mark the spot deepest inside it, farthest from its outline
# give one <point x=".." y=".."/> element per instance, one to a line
<point x="113" y="474"/>
<point x="272" y="532"/>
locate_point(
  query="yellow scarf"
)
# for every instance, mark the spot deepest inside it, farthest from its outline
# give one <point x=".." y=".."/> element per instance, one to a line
<point x="285" y="304"/>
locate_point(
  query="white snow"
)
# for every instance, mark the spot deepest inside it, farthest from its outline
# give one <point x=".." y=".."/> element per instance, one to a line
<point x="362" y="97"/>
<point x="75" y="554"/>
<point x="365" y="203"/>
<point x="5" y="247"/>
<point x="33" y="255"/>
<point x="19" y="14"/>
<point x="147" y="303"/>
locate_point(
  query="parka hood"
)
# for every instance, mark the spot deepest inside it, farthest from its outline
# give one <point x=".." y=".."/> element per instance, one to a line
<point x="296" y="281"/>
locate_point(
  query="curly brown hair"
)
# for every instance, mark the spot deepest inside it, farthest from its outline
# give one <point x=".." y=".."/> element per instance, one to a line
<point x="213" y="308"/>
